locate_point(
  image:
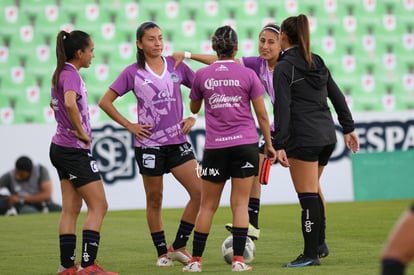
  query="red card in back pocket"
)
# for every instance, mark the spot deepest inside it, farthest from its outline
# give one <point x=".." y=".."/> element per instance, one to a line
<point x="264" y="174"/>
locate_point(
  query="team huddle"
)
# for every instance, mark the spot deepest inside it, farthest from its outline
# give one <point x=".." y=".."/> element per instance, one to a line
<point x="301" y="137"/>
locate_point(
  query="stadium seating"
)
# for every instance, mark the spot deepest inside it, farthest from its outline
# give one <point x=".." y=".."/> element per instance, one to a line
<point x="29" y="28"/>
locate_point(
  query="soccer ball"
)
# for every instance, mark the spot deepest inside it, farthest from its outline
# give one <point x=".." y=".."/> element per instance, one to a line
<point x="227" y="250"/>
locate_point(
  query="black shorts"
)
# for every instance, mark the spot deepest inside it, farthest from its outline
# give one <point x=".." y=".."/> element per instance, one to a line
<point x="314" y="153"/>
<point x="237" y="162"/>
<point x="76" y="165"/>
<point x="412" y="207"/>
<point x="156" y="161"/>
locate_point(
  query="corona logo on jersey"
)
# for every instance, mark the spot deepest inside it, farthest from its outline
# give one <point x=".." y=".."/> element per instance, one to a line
<point x="212" y="83"/>
<point x="113" y="150"/>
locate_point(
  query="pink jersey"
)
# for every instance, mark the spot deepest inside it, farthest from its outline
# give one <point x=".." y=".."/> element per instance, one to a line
<point x="159" y="100"/>
<point x="227" y="89"/>
<point x="70" y="80"/>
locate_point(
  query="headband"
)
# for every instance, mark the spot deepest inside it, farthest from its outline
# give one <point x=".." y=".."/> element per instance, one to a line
<point x="271" y="28"/>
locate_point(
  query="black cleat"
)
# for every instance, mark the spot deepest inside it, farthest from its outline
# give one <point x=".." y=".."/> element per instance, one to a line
<point x="302" y="261"/>
<point x="323" y="250"/>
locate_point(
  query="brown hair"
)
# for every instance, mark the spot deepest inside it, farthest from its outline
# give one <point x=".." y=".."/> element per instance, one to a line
<point x="67" y="44"/>
<point x="297" y="31"/>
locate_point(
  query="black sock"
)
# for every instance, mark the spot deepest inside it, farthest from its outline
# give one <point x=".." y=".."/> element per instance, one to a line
<point x="183" y="233"/>
<point x="199" y="243"/>
<point x="158" y="238"/>
<point x="311" y="220"/>
<point x="239" y="240"/>
<point x="322" y="232"/>
<point x="67" y="250"/>
<point x="90" y="245"/>
<point x="392" y="267"/>
<point x="254" y="207"/>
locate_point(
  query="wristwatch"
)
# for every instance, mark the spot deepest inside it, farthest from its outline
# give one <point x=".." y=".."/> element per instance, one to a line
<point x="21" y="200"/>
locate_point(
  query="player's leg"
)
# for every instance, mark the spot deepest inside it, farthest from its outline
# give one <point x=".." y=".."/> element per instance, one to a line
<point x="242" y="180"/>
<point x="94" y="196"/>
<point x="306" y="182"/>
<point x="239" y="200"/>
<point x="254" y="204"/>
<point x="323" y="250"/>
<point x="153" y="186"/>
<point x="62" y="159"/>
<point x="187" y="175"/>
<point x="210" y="200"/>
<point x="323" y="158"/>
<point x="399" y="250"/>
<point x="152" y="167"/>
<point x="71" y="206"/>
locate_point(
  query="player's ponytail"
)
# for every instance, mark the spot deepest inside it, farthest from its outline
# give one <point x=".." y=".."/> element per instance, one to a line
<point x="60" y="57"/>
<point x="297" y="31"/>
<point x="67" y="44"/>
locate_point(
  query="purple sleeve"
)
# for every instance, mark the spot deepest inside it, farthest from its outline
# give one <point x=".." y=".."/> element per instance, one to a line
<point x="252" y="62"/>
<point x="188" y="75"/>
<point x="125" y="81"/>
<point x="72" y="83"/>
<point x="195" y="93"/>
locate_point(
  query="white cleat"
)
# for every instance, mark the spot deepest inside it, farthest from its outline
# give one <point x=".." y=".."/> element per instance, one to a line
<point x="192" y="267"/>
<point x="164" y="260"/>
<point x="240" y="266"/>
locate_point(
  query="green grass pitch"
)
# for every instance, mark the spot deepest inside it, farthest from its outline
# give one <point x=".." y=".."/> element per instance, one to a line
<point x="356" y="233"/>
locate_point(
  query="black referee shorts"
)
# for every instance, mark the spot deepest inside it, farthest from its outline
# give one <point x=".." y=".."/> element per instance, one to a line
<point x="321" y="154"/>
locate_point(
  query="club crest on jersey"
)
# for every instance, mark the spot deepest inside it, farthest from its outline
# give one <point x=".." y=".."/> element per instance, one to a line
<point x="113" y="150"/>
<point x="174" y="77"/>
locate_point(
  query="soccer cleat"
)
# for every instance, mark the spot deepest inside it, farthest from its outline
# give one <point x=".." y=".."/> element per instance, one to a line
<point x="12" y="211"/>
<point x="67" y="271"/>
<point x="194" y="265"/>
<point x="164" y="260"/>
<point x="252" y="232"/>
<point x="180" y="255"/>
<point x="94" y="270"/>
<point x="323" y="250"/>
<point x="238" y="264"/>
<point x="302" y="261"/>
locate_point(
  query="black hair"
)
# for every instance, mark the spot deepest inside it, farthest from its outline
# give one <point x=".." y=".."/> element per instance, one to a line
<point x="24" y="163"/>
<point x="140" y="33"/>
<point x="224" y="41"/>
<point x="67" y="44"/>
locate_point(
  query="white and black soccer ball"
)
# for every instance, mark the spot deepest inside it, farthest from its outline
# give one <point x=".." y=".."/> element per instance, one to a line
<point x="248" y="254"/>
